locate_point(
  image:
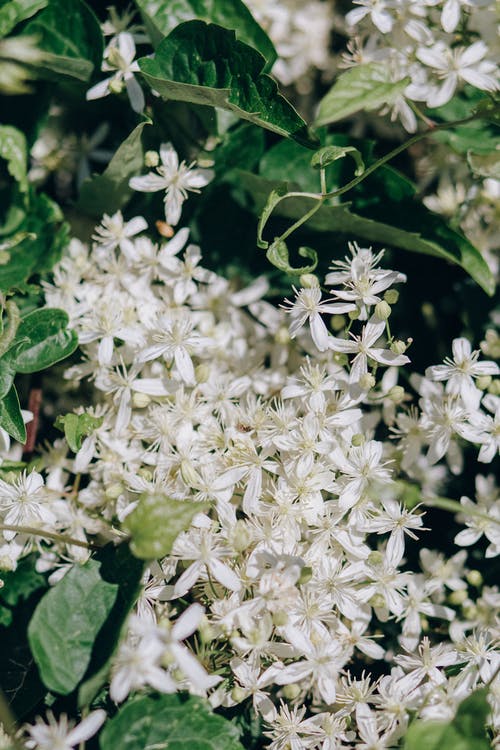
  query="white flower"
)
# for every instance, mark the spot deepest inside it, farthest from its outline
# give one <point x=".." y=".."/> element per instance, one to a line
<point x="115" y="232"/>
<point x="307" y="307"/>
<point x="62" y="734"/>
<point x="176" y="179"/>
<point x="460" y="371"/>
<point x="378" y="12"/>
<point x="453" y="65"/>
<point x="24" y="503"/>
<point x="119" y="56"/>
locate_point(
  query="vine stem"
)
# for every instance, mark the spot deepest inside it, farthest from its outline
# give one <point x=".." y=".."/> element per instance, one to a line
<point x="320" y="198"/>
<point x="445" y="503"/>
<point x="33" y="531"/>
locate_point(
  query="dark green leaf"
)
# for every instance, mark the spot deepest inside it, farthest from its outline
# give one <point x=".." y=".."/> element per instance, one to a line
<point x="15" y="11"/>
<point x="65" y="625"/>
<point x="120" y="567"/>
<point x="479" y="135"/>
<point x="206" y="64"/>
<point x="11" y="418"/>
<point x="243" y="145"/>
<point x="431" y="235"/>
<point x="156" y="523"/>
<point x="277" y="254"/>
<point x="7" y="373"/>
<point x="168" y="721"/>
<point x="76" y="427"/>
<point x="14" y="151"/>
<point x="6" y="616"/>
<point x="70" y="36"/>
<point x="43" y="339"/>
<point x="363" y="87"/>
<point x="20" y="583"/>
<point x="162" y="16"/>
<point x="109" y="191"/>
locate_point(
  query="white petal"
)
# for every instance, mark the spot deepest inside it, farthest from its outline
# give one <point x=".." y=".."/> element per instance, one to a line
<point x="450" y="15"/>
<point x="148" y="183"/>
<point x="87" y="727"/>
<point x="99" y="90"/>
<point x="187" y="623"/>
<point x="135" y="94"/>
<point x="184" y="365"/>
<point x="461" y="349"/>
<point x="222" y="573"/>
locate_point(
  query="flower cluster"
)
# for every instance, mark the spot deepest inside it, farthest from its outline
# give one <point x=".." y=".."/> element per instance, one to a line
<point x="433" y="44"/>
<point x="281" y="430"/>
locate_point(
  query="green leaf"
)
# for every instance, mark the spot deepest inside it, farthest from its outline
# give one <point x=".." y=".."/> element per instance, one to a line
<point x="70" y="36"/>
<point x="65" y="625"/>
<point x="205" y="64"/>
<point x="109" y="191"/>
<point x="485" y="165"/>
<point x="467" y="731"/>
<point x="275" y="197"/>
<point x="19" y="584"/>
<point x="7" y="373"/>
<point x="277" y="254"/>
<point x="432" y="236"/>
<point x="42" y="339"/>
<point x="120" y="567"/>
<point x="156" y="523"/>
<point x="13" y="150"/>
<point x="11" y="418"/>
<point x="15" y="11"/>
<point x="363" y="87"/>
<point x="479" y="135"/>
<point x="162" y="16"/>
<point x="168" y="721"/>
<point x="45" y="238"/>
<point x="76" y="427"/>
<point x="328" y="154"/>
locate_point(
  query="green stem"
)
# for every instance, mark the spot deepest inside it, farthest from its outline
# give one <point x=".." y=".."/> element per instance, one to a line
<point x="445" y="503"/>
<point x="33" y="531"/>
<point x="8" y="721"/>
<point x="304" y="218"/>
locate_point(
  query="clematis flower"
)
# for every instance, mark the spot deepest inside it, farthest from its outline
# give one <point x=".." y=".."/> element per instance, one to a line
<point x="176" y="179"/>
<point x="119" y="57"/>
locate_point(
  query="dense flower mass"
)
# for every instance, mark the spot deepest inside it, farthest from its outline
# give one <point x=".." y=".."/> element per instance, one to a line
<point x="259" y="444"/>
<point x="302" y="449"/>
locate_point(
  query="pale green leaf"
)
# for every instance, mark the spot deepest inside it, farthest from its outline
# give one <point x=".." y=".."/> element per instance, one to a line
<point x="14" y="151"/>
<point x="65" y="625"/>
<point x="205" y="64"/>
<point x="15" y="11"/>
<point x="168" y="722"/>
<point x="277" y="254"/>
<point x="328" y="154"/>
<point x="156" y="522"/>
<point x="365" y="87"/>
<point x="76" y="427"/>
<point x="109" y="191"/>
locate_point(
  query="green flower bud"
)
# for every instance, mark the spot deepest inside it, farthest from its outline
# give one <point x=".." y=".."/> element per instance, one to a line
<point x="367" y="381"/>
<point x="238" y="694"/>
<point x="309" y="280"/>
<point x="475" y="578"/>
<point x="337" y="323"/>
<point x="383" y="310"/>
<point x="305" y="575"/>
<point x="116" y="86"/>
<point x="354" y="314"/>
<point x="282" y="336"/>
<point x="397" y="394"/>
<point x="114" y="491"/>
<point x="290" y="692"/>
<point x="280" y="618"/>
<point x="458" y="597"/>
<point x="358" y="439"/>
<point x="151" y="158"/>
<point x="202" y="372"/>
<point x="391" y="296"/>
<point x="141" y="400"/>
<point x="398" y="347"/>
<point x="494" y="387"/>
<point x="340" y="359"/>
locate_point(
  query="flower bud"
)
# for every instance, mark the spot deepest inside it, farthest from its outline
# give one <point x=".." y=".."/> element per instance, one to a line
<point x="146" y="474"/>
<point x="116" y="86"/>
<point x="178" y="675"/>
<point x="397" y="394"/>
<point x="484" y="382"/>
<point x="340" y="359"/>
<point x="290" y="692"/>
<point x="151" y="158"/>
<point x="354" y="314"/>
<point x="337" y="323"/>
<point x="305" y="575"/>
<point x="391" y="296"/>
<point x="114" y="491"/>
<point x="241" y="536"/>
<point x="475" y="578"/>
<point x="206" y="631"/>
<point x="202" y="372"/>
<point x="494" y="387"/>
<point x="377" y="601"/>
<point x="280" y="618"/>
<point x="458" y="597"/>
<point x="383" y="310"/>
<point x="367" y="381"/>
<point x="189" y="474"/>
<point x="309" y="280"/>
<point x="358" y="439"/>
<point x="375" y="557"/>
<point x="167" y="659"/>
<point x="114" y="57"/>
<point x="469" y="611"/>
<point x="398" y="346"/>
<point x="141" y="400"/>
<point x="238" y="694"/>
<point x="282" y="336"/>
